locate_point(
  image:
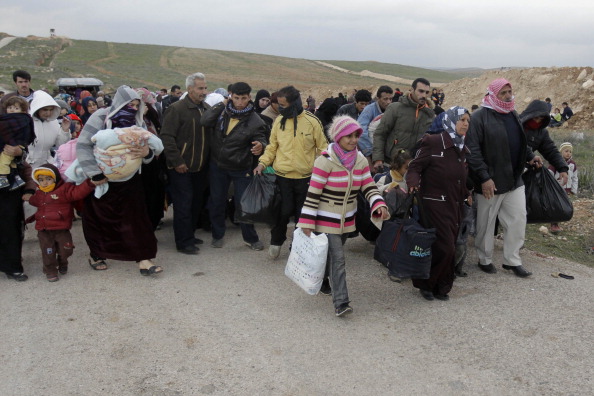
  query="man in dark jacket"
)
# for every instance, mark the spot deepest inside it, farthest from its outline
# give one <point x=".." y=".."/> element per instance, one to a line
<point x="402" y="124"/>
<point x="353" y="110"/>
<point x="186" y="145"/>
<point x="238" y="135"/>
<point x="498" y="153"/>
<point x="535" y="120"/>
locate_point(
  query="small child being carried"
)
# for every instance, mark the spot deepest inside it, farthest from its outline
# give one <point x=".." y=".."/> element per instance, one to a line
<point x="53" y="219"/>
<point x="16" y="129"/>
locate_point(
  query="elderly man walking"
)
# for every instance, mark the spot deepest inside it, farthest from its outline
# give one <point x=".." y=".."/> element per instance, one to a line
<point x="498" y="154"/>
<point x="186" y="144"/>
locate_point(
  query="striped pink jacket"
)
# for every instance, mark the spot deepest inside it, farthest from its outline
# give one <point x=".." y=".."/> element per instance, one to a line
<point x="331" y="201"/>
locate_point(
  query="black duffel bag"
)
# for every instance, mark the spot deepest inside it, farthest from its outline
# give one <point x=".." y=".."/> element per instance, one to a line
<point x="546" y="200"/>
<point x="260" y="202"/>
<point x="404" y="245"/>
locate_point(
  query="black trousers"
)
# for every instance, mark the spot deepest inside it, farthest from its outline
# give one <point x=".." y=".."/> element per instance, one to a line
<point x="293" y="193"/>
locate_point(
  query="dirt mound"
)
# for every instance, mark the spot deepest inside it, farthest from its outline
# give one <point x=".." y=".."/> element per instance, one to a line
<point x="564" y="84"/>
<point x="574" y="85"/>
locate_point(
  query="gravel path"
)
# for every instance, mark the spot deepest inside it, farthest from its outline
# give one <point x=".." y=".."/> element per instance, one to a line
<point x="228" y="322"/>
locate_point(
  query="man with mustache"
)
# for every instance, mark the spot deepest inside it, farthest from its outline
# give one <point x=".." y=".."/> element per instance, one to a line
<point x="403" y="124"/>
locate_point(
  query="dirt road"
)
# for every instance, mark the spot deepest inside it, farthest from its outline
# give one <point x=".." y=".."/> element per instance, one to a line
<point x="228" y="322"/>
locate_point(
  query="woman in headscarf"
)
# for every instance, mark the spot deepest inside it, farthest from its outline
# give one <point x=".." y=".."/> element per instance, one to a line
<point x="153" y="173"/>
<point x="117" y="225"/>
<point x="262" y="100"/>
<point x="89" y="105"/>
<point x="439" y="173"/>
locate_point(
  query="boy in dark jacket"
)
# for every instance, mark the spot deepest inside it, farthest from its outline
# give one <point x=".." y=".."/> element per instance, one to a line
<point x="53" y="220"/>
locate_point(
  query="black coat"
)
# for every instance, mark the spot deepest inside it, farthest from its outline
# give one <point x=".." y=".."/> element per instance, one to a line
<point x="231" y="151"/>
<point x="489" y="156"/>
<point x="539" y="139"/>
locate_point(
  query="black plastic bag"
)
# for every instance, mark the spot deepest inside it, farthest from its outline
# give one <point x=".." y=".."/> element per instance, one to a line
<point x="363" y="222"/>
<point x="260" y="202"/>
<point x="546" y="200"/>
<point x="404" y="245"/>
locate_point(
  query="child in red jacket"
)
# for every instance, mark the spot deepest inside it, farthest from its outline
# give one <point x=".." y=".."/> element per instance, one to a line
<point x="53" y="220"/>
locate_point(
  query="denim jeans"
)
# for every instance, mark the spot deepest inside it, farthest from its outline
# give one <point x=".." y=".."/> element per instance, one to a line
<point x="187" y="192"/>
<point x="336" y="269"/>
<point x="220" y="180"/>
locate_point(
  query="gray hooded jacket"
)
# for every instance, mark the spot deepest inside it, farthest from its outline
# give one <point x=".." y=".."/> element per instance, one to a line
<point x="99" y="120"/>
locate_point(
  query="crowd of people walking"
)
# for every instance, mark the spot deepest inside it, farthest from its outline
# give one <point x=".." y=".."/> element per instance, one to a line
<point x="119" y="162"/>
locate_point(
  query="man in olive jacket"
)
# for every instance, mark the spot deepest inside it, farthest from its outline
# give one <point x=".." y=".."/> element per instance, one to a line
<point x="238" y="137"/>
<point x="186" y="144"/>
<point x="403" y="124"/>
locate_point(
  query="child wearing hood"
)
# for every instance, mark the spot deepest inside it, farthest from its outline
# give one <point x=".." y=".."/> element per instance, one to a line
<point x="49" y="134"/>
<point x="54" y="201"/>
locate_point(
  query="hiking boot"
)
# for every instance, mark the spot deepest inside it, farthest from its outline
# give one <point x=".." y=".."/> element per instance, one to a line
<point x="258" y="245"/>
<point x="274" y="251"/>
<point x="344" y="309"/>
<point x="217" y="243"/>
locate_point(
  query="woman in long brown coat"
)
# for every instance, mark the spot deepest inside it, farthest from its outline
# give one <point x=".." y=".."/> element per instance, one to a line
<point x="439" y="172"/>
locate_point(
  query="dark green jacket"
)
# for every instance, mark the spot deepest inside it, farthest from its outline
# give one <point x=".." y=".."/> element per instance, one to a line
<point x="400" y="128"/>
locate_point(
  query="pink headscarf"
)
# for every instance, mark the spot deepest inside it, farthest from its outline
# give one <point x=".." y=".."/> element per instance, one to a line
<point x="492" y="102"/>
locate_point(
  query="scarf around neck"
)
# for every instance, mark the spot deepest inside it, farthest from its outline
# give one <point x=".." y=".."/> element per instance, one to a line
<point x="232" y="112"/>
<point x="292" y="111"/>
<point x="347" y="158"/>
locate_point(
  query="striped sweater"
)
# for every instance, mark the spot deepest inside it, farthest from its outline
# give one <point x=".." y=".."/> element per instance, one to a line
<point x="331" y="201"/>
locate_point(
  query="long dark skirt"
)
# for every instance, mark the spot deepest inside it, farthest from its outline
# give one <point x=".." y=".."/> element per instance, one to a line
<point x="11" y="230"/>
<point x="116" y="226"/>
<point x="445" y="217"/>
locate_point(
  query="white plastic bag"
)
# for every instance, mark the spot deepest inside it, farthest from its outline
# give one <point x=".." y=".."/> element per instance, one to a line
<point x="307" y="261"/>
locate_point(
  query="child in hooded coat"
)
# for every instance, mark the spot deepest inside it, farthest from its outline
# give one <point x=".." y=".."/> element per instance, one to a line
<point x="53" y="220"/>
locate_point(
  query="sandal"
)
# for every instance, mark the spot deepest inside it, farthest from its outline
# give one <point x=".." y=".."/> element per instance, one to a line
<point x="52" y="278"/>
<point x="155" y="269"/>
<point x="98" y="265"/>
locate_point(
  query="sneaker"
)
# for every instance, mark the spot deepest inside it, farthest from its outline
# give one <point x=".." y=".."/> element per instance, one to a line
<point x="326" y="289"/>
<point x="217" y="243"/>
<point x="344" y="309"/>
<point x="17" y="276"/>
<point x="274" y="251"/>
<point x="258" y="245"/>
<point x="4" y="182"/>
<point x="18" y="183"/>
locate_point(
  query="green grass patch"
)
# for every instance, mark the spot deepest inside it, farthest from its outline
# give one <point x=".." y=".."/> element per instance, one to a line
<point x="574" y="247"/>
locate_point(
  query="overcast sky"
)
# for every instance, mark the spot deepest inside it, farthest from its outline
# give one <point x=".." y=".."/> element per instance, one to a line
<point x="478" y="33"/>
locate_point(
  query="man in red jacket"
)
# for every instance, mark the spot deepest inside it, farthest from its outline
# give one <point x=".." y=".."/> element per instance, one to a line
<point x="54" y="201"/>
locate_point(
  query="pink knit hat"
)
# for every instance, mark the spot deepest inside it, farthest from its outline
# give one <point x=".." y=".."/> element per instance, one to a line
<point x="343" y="126"/>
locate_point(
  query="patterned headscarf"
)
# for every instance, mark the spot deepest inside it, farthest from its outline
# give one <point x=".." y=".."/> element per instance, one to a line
<point x="491" y="100"/>
<point x="451" y="117"/>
